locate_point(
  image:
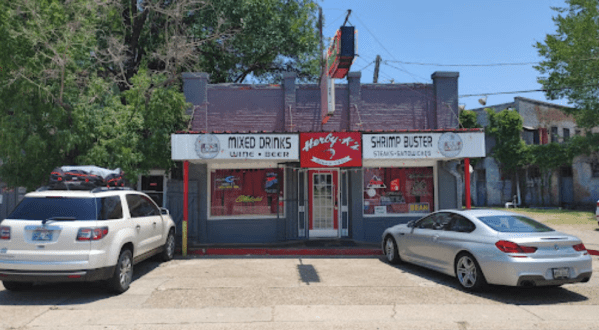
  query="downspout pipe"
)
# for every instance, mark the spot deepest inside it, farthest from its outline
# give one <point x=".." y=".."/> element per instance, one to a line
<point x="451" y="167"/>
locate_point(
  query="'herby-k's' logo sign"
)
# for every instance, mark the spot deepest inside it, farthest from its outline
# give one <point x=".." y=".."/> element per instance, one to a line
<point x="207" y="146"/>
<point x="450" y="144"/>
<point x="331" y="149"/>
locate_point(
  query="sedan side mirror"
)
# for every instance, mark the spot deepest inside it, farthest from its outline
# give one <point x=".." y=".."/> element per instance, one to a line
<point x="411" y="223"/>
<point x="164" y="211"/>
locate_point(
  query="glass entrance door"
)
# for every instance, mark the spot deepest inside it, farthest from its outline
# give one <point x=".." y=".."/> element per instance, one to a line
<point x="323" y="199"/>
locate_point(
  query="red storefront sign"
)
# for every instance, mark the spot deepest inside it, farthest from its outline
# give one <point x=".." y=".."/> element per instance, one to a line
<point x="331" y="149"/>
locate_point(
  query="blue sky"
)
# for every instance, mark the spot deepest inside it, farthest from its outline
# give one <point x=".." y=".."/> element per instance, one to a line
<point x="450" y="32"/>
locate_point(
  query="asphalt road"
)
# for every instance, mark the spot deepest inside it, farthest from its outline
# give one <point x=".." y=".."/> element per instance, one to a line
<point x="297" y="293"/>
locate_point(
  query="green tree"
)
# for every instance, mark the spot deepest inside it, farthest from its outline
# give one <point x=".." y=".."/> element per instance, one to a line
<point x="549" y="157"/>
<point x="98" y="82"/>
<point x="509" y="150"/>
<point x="229" y="39"/>
<point x="468" y="119"/>
<point x="570" y="68"/>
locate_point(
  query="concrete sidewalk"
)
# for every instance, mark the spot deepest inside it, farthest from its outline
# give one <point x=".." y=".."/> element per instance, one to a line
<point x="296" y="293"/>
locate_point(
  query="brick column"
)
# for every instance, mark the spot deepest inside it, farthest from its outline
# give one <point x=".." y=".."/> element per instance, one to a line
<point x="195" y="88"/>
<point x="355" y="101"/>
<point x="290" y="101"/>
<point x="445" y="91"/>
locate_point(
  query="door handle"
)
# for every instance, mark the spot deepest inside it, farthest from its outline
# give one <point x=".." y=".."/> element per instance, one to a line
<point x="154" y="223"/>
<point x="138" y="227"/>
<point x="435" y="238"/>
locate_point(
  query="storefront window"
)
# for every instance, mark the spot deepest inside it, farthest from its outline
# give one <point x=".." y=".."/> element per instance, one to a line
<point x="392" y="191"/>
<point x="246" y="192"/>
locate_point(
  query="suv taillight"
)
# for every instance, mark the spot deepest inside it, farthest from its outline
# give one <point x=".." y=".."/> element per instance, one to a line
<point x="92" y="234"/>
<point x="4" y="232"/>
<point x="511" y="247"/>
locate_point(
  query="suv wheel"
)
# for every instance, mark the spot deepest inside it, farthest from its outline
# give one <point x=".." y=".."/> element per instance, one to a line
<point x="123" y="273"/>
<point x="169" y="247"/>
<point x="17" y="286"/>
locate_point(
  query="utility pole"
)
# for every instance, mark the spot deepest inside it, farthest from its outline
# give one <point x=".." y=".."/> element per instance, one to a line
<point x="377" y="64"/>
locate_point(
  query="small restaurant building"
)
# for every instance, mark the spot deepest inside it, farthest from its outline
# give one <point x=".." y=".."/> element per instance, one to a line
<point x="260" y="165"/>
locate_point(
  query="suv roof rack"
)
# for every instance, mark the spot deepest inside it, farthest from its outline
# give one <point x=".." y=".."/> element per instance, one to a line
<point x="99" y="189"/>
<point x="80" y="187"/>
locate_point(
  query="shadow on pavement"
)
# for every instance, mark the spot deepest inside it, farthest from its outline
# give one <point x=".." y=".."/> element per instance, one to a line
<point x="74" y="293"/>
<point x="503" y="294"/>
<point x="307" y="273"/>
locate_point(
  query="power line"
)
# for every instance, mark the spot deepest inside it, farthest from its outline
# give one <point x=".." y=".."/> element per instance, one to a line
<point x="380" y="44"/>
<point x="369" y="64"/>
<point x="335" y="20"/>
<point x="500" y="93"/>
<point x="483" y="65"/>
<point x="403" y="70"/>
<point x="531" y="90"/>
<point x="465" y="65"/>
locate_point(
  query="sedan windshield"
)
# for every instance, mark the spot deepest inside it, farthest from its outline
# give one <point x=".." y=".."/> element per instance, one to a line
<point x="514" y="224"/>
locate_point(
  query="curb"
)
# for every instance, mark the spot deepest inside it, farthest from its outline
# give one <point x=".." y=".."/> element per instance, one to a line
<point x="284" y="252"/>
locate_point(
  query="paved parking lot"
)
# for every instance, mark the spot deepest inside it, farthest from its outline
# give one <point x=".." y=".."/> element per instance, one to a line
<point x="298" y="293"/>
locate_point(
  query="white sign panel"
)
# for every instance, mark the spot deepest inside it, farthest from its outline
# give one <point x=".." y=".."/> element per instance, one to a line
<point x="209" y="147"/>
<point x="427" y="145"/>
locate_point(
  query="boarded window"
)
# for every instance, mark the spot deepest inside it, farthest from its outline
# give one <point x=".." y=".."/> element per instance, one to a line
<point x="566" y="134"/>
<point x="595" y="168"/>
<point x="554" y="135"/>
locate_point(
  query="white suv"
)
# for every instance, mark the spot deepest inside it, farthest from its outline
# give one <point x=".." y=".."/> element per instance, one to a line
<point x="91" y="235"/>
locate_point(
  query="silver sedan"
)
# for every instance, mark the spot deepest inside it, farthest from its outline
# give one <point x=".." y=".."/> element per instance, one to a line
<point x="482" y="247"/>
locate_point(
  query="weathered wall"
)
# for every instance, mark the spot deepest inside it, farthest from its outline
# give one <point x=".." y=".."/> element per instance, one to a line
<point x="293" y="107"/>
<point x="535" y="115"/>
<point x="586" y="187"/>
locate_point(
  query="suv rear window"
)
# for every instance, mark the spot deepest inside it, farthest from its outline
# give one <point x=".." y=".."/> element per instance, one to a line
<point x="514" y="224"/>
<point x="82" y="209"/>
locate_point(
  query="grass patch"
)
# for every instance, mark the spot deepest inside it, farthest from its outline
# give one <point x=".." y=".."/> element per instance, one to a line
<point x="556" y="216"/>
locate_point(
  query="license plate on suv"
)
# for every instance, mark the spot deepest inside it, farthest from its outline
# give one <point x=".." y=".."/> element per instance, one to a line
<point x="560" y="273"/>
<point x="42" y="235"/>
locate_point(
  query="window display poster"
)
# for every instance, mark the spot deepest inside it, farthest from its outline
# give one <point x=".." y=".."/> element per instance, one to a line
<point x="237" y="192"/>
<point x="398" y="190"/>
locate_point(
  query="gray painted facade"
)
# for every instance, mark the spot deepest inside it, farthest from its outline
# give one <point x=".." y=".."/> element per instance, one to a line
<point x="575" y="187"/>
<point x="292" y="107"/>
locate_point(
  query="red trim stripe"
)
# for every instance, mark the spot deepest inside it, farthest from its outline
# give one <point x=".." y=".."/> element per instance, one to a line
<point x="284" y="252"/>
<point x="294" y="252"/>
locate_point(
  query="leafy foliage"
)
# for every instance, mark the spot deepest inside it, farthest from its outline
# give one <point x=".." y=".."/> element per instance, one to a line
<point x="98" y="81"/>
<point x="468" y="119"/>
<point x="570" y="68"/>
<point x="275" y="36"/>
<point x="510" y="150"/>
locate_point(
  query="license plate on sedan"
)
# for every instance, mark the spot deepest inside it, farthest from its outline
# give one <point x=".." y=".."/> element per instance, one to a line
<point x="42" y="235"/>
<point x="560" y="273"/>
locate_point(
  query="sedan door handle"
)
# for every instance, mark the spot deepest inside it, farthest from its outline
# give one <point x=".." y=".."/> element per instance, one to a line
<point x="138" y="227"/>
<point x="154" y="223"/>
<point x="435" y="238"/>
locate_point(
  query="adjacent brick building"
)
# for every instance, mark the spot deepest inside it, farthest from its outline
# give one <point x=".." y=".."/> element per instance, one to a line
<point x="572" y="185"/>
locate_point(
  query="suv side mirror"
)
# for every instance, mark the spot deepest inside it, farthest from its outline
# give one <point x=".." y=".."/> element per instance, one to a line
<point x="164" y="211"/>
